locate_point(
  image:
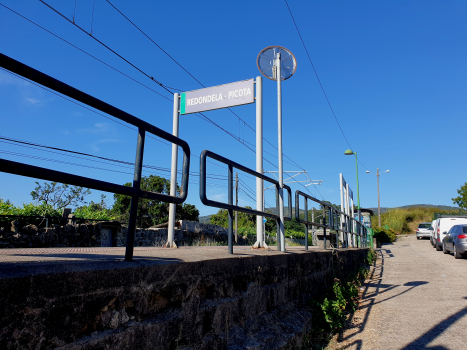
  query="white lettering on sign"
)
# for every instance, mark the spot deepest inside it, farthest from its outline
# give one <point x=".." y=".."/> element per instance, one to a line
<point x="204" y="99"/>
<point x="222" y="96"/>
<point x="240" y="93"/>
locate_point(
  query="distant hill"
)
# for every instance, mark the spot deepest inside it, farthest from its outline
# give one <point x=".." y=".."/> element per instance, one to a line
<point x="205" y="219"/>
<point x="441" y="207"/>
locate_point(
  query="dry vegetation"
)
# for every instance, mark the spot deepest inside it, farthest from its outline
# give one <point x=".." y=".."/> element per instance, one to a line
<point x="407" y="220"/>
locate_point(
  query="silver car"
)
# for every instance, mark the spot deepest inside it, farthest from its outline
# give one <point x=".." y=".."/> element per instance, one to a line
<point x="456" y="241"/>
<point x="424" y="230"/>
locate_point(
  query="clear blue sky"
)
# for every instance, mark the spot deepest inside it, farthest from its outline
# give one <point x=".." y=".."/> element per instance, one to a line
<point x="395" y="73"/>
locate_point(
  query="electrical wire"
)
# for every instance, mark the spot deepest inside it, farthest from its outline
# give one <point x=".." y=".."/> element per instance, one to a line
<point x="164" y="86"/>
<point x="74" y="153"/>
<point x="174" y="60"/>
<point x="319" y="80"/>
<point x="202" y="115"/>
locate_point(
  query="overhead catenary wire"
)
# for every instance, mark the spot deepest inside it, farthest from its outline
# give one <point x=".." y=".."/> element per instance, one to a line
<point x="159" y="173"/>
<point x="77" y="154"/>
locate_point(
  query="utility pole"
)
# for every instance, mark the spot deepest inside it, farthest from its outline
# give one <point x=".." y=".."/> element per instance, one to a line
<point x="236" y="204"/>
<point x="379" y="208"/>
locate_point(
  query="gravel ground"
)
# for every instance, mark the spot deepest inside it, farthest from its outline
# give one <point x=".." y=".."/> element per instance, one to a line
<point x="414" y="298"/>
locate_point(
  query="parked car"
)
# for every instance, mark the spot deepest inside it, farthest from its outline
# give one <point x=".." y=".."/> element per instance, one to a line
<point x="443" y="226"/>
<point x="432" y="233"/>
<point x="456" y="241"/>
<point x="424" y="230"/>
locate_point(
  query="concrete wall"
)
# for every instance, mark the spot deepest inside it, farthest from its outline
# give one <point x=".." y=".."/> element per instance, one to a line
<point x="230" y="302"/>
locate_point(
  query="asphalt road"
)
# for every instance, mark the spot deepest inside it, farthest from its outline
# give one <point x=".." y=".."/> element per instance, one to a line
<point x="415" y="298"/>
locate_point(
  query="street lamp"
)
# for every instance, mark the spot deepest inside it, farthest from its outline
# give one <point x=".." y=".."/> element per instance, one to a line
<point x="349" y="152"/>
<point x="377" y="180"/>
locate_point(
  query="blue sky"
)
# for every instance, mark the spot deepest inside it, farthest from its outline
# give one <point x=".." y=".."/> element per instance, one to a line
<point x="395" y="74"/>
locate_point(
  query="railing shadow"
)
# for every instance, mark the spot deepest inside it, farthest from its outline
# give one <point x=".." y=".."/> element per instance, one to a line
<point x="368" y="297"/>
<point x="422" y="341"/>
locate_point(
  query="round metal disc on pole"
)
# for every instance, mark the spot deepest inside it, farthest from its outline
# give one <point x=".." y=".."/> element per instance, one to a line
<point x="267" y="58"/>
<point x="277" y="63"/>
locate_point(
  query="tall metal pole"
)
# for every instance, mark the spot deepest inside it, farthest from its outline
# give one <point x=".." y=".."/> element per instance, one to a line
<point x="230" y="211"/>
<point x="306" y="225"/>
<point x="279" y="125"/>
<point x="260" y="242"/>
<point x="379" y="208"/>
<point x="130" y="237"/>
<point x="236" y="204"/>
<point x="358" y="190"/>
<point x="173" y="176"/>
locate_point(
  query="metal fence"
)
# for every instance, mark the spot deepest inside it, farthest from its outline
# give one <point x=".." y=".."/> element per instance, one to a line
<point x="229" y="205"/>
<point x="333" y="220"/>
<point x="135" y="191"/>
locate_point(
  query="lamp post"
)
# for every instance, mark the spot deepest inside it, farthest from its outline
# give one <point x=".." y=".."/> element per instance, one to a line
<point x="348" y="153"/>
<point x="377" y="180"/>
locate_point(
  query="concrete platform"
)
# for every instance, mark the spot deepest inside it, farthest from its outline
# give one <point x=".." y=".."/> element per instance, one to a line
<point x="47" y="260"/>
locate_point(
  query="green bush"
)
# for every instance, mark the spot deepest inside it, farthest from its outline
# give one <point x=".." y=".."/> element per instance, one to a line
<point x="384" y="235"/>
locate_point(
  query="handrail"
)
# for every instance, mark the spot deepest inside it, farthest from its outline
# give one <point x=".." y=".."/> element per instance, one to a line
<point x="230" y="206"/>
<point x="51" y="175"/>
<point x="338" y="221"/>
<point x="203" y="196"/>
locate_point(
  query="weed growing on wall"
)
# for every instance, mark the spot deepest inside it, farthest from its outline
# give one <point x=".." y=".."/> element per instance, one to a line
<point x="331" y="310"/>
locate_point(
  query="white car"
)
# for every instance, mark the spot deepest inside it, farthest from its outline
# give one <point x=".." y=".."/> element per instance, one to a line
<point x="443" y="225"/>
<point x="424" y="230"/>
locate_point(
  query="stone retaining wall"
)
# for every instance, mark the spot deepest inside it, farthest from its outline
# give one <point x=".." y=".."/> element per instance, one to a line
<point x="231" y="302"/>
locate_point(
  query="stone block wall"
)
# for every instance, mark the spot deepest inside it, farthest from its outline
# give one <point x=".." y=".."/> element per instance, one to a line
<point x="109" y="234"/>
<point x="236" y="302"/>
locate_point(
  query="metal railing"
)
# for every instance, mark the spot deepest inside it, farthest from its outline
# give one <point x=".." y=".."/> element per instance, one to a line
<point x="333" y="220"/>
<point x="230" y="206"/>
<point x="135" y="191"/>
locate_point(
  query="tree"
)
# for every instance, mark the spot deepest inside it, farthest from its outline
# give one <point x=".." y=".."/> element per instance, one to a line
<point x="461" y="200"/>
<point x="96" y="211"/>
<point x="152" y="212"/>
<point x="58" y="196"/>
<point x="244" y="220"/>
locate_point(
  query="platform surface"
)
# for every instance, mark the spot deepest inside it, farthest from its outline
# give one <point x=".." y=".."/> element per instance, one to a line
<point x="20" y="261"/>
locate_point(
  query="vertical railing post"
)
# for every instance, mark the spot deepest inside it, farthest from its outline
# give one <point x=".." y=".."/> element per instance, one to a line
<point x="130" y="237"/>
<point x="306" y="225"/>
<point x="230" y="211"/>
<point x="324" y="225"/>
<point x="278" y="221"/>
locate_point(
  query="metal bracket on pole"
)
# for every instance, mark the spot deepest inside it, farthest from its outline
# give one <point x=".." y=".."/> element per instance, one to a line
<point x="173" y="177"/>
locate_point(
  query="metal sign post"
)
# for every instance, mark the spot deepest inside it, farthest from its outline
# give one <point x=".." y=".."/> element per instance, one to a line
<point x="260" y="236"/>
<point x="173" y="177"/>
